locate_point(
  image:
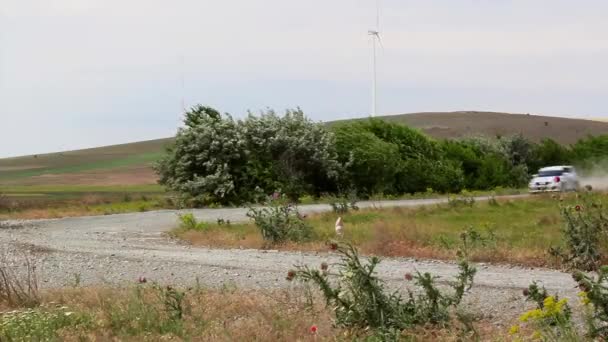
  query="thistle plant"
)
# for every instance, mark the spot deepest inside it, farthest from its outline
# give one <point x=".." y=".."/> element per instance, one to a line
<point x="594" y="296"/>
<point x="585" y="233"/>
<point x="280" y="222"/>
<point x="360" y="299"/>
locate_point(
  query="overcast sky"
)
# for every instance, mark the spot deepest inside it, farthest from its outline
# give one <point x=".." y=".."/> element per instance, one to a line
<point x="82" y="73"/>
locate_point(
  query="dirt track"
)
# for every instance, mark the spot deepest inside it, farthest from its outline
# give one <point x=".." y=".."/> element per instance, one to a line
<point x="117" y="249"/>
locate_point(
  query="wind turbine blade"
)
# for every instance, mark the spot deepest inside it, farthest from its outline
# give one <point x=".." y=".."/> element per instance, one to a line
<point x="379" y="40"/>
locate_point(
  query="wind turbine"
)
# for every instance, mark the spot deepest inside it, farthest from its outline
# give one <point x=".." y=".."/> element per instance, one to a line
<point x="375" y="34"/>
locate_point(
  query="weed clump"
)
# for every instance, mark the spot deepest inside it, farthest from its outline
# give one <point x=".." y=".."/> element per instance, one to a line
<point x="360" y="300"/>
<point x="189" y="222"/>
<point x="594" y="297"/>
<point x="465" y="200"/>
<point x="142" y="314"/>
<point x="342" y="205"/>
<point x="585" y="234"/>
<point x="280" y="222"/>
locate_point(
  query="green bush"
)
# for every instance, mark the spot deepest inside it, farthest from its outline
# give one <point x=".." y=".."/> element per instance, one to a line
<point x="280" y="222"/>
<point x="391" y="159"/>
<point x="371" y="163"/>
<point x="590" y="150"/>
<point x="549" y="152"/>
<point x="359" y="298"/>
<point x="343" y="204"/>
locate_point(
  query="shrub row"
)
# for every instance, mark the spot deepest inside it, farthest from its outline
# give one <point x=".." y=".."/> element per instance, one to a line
<point x="216" y="159"/>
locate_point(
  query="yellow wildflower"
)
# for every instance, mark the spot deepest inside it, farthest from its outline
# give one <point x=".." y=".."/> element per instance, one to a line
<point x="549" y="301"/>
<point x="532" y="314"/>
<point x="514" y="330"/>
<point x="584" y="298"/>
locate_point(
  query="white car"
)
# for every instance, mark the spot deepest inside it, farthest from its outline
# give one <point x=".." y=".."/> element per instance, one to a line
<point x="554" y="178"/>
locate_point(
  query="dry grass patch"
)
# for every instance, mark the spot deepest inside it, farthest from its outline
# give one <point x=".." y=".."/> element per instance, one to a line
<point x="18" y="281"/>
<point x="140" y="313"/>
<point x="505" y="231"/>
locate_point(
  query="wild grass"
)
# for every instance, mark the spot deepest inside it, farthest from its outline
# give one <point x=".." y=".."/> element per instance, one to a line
<point x="189" y="222"/>
<point x="18" y="281"/>
<point x="142" y="313"/>
<point x="503" y="231"/>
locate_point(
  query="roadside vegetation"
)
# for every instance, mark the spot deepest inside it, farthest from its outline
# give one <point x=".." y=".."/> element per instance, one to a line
<point x="359" y="307"/>
<point x="339" y="301"/>
<point x="518" y="231"/>
<point x="153" y="313"/>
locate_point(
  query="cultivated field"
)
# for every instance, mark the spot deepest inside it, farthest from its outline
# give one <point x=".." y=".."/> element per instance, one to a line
<point x="127" y="164"/>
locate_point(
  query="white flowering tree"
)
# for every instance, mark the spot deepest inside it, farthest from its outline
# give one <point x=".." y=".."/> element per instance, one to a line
<point x="216" y="159"/>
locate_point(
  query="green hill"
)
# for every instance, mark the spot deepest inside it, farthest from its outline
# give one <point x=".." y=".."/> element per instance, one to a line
<point x="130" y="164"/>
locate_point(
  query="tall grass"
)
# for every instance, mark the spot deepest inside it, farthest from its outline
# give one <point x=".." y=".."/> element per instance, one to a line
<point x="515" y="231"/>
<point x="18" y="280"/>
<point x="141" y="314"/>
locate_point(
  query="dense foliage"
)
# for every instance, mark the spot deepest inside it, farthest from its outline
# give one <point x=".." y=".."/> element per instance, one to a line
<point x="382" y="157"/>
<point x="216" y="159"/>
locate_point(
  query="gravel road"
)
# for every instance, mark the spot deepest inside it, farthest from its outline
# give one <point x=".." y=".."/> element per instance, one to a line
<point x="117" y="249"/>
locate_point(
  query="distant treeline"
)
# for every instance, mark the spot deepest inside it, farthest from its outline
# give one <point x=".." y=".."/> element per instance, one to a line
<point x="216" y="159"/>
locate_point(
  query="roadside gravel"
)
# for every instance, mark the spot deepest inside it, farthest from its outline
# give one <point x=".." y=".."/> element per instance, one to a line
<point x="117" y="249"/>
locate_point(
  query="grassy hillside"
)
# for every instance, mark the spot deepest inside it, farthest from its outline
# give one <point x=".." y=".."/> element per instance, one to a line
<point x="104" y="166"/>
<point x="535" y="127"/>
<point x="111" y="167"/>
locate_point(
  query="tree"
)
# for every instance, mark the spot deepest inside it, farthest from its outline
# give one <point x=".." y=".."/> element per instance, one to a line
<point x="206" y="159"/>
<point x="216" y="159"/>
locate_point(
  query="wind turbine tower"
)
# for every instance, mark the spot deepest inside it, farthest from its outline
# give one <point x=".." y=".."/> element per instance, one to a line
<point x="375" y="35"/>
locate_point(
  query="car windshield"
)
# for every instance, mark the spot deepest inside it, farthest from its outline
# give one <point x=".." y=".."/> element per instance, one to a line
<point x="551" y="173"/>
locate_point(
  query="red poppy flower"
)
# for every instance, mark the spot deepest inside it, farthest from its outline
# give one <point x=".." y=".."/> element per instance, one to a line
<point x="142" y="280"/>
<point x="324" y="266"/>
<point x="577" y="208"/>
<point x="526" y="292"/>
<point x="333" y="246"/>
<point x="313" y="329"/>
<point x="409" y="277"/>
<point x="290" y="275"/>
